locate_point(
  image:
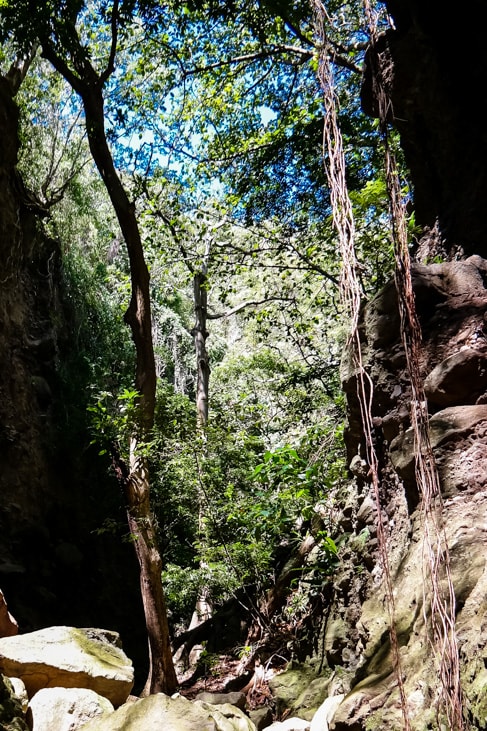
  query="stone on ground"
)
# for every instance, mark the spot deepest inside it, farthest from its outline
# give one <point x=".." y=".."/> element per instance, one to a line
<point x="69" y="657"/>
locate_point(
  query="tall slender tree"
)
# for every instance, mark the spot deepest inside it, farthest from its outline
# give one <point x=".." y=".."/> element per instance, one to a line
<point x="57" y="31"/>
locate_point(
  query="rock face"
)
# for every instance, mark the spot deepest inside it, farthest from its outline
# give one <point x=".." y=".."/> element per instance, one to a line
<point x="439" y="64"/>
<point x="451" y="301"/>
<point x="70" y="658"/>
<point x="54" y="568"/>
<point x="23" y="465"/>
<point x="457" y="436"/>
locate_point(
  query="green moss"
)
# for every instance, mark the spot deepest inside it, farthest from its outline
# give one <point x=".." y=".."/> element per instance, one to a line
<point x="105" y="652"/>
<point x="477" y="698"/>
<point x="392" y="720"/>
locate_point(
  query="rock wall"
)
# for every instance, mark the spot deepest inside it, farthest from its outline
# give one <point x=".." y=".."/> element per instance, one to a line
<point x="434" y="62"/>
<point x="54" y="569"/>
<point x="28" y="345"/>
<point x="452" y="305"/>
<point x="438" y="64"/>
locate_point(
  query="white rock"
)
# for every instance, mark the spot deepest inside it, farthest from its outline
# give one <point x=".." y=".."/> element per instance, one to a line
<point x="69" y="657"/>
<point x="325" y="713"/>
<point x="290" y="724"/>
<point x="159" y="712"/>
<point x="66" y="709"/>
<point x="20" y="692"/>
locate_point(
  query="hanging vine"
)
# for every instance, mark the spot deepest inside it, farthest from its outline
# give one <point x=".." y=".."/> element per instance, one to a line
<point x="351" y="296"/>
<point x="436" y="559"/>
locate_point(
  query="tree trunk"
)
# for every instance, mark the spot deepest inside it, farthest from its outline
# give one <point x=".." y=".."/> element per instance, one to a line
<point x="162" y="676"/>
<point x="134" y="476"/>
<point x="200" y="333"/>
<point x="204" y="605"/>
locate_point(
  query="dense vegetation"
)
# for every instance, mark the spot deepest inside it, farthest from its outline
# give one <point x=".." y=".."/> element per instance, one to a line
<point x="212" y="117"/>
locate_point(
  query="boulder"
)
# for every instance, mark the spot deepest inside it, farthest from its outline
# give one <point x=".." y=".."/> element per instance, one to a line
<point x="295" y="690"/>
<point x="161" y="713"/>
<point x="20" y="692"/>
<point x="66" y="709"/>
<point x="325" y="712"/>
<point x="226" y="717"/>
<point x="69" y="657"/>
<point x="261" y="717"/>
<point x="299" y="691"/>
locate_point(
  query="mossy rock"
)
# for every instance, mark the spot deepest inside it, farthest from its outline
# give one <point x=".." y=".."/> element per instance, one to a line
<point x="11" y="715"/>
<point x="300" y="689"/>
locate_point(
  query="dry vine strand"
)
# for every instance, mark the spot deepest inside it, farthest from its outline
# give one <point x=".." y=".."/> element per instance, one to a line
<point x="351" y="295"/>
<point x="436" y="559"/>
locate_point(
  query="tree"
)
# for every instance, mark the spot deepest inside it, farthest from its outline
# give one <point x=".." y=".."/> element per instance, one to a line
<point x="57" y="32"/>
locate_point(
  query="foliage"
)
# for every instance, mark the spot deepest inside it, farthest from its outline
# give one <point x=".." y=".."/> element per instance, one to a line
<point x="54" y="162"/>
<point x="257" y="501"/>
<point x="286" y="477"/>
<point x="214" y="117"/>
<point x="114" y="418"/>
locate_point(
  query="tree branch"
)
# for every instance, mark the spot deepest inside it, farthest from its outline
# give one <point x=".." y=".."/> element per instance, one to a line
<point x="110" y="68"/>
<point x="336" y="55"/>
<point x="49" y="52"/>
<point x="172" y="229"/>
<point x="243" y="305"/>
<point x="302" y="37"/>
<point x="18" y="70"/>
<point x="250" y="58"/>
